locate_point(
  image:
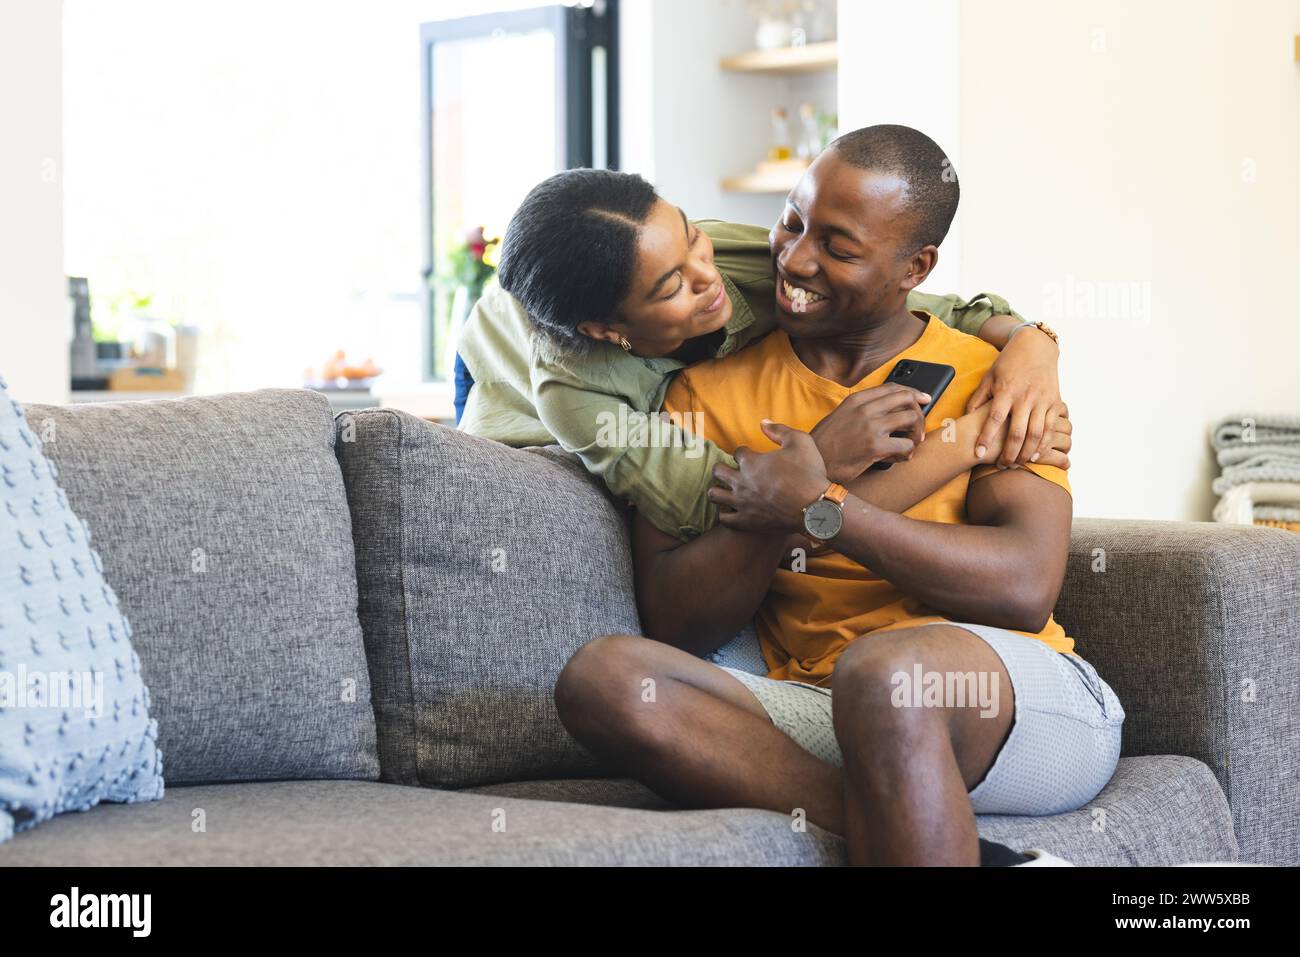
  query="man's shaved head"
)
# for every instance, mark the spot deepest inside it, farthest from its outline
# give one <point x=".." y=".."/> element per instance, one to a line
<point x="932" y="189"/>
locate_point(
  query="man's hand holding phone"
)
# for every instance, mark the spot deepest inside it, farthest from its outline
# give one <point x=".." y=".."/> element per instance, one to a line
<point x="858" y="434"/>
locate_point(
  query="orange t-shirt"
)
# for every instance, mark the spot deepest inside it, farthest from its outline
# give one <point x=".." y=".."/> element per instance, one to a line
<point x="809" y="617"/>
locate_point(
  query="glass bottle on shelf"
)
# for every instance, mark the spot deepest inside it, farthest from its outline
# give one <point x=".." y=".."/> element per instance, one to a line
<point x="780" y="144"/>
<point x="828" y="129"/>
<point x="818" y="20"/>
<point x="799" y="21"/>
<point x="810" y="134"/>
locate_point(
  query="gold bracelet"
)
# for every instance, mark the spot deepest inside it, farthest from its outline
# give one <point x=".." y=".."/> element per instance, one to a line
<point x="1040" y="326"/>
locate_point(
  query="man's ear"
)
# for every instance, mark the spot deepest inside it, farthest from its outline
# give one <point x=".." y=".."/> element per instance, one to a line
<point x="599" y="331"/>
<point x="920" y="265"/>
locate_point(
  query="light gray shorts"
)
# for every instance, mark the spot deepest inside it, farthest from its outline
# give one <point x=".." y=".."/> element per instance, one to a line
<point x="1064" y="741"/>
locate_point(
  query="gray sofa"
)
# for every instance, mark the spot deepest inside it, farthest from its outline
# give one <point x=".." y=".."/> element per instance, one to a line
<point x="350" y="629"/>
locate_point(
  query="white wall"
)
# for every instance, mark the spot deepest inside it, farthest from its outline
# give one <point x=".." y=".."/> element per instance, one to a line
<point x="34" y="318"/>
<point x="901" y="63"/>
<point x="1154" y="148"/>
<point x="1131" y="175"/>
<point x="686" y="123"/>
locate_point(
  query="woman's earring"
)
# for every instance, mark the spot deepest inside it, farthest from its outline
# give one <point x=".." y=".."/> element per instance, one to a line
<point x="627" y="346"/>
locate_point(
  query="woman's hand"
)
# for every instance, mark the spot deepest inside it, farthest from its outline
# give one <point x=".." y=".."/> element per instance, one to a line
<point x="768" y="492"/>
<point x="857" y="435"/>
<point x="1057" y="441"/>
<point x="1023" y="389"/>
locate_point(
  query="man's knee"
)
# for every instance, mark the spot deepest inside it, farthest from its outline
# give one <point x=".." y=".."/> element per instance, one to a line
<point x="872" y="672"/>
<point x="873" y="661"/>
<point x="607" y="695"/>
<point x="587" y="677"/>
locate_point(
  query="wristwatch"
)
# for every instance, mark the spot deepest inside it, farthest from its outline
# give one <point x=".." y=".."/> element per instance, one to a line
<point x="824" y="518"/>
<point x="1040" y="326"/>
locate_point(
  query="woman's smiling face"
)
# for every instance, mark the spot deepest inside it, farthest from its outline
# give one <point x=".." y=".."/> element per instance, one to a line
<point x="676" y="292"/>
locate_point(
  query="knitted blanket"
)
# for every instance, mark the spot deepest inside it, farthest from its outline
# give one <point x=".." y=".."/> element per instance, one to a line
<point x="1257" y="463"/>
<point x="1257" y="429"/>
<point x="1241" y="504"/>
<point x="1260" y="459"/>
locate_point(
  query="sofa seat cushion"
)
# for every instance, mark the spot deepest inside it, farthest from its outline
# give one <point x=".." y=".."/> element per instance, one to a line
<point x="1140" y="818"/>
<point x="1158" y="810"/>
<point x="364" y="823"/>
<point x="224" y="530"/>
<point x="605" y="792"/>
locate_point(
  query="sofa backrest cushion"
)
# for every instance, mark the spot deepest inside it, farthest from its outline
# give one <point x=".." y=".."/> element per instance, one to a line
<point x="482" y="570"/>
<point x="224" y="530"/>
<point x="74" y="713"/>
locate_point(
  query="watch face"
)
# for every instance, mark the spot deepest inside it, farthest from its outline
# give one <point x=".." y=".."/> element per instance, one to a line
<point x="823" y="519"/>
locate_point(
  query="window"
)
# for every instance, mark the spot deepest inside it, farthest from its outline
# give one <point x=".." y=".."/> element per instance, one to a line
<point x="509" y="99"/>
<point x="256" y="170"/>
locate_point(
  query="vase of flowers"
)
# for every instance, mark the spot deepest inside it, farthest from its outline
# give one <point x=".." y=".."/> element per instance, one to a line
<point x="469" y="266"/>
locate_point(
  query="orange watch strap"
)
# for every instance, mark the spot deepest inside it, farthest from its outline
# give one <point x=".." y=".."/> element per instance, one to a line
<point x="836" y="493"/>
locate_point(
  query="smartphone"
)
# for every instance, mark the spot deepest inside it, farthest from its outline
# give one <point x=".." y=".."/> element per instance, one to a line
<point x="929" y="377"/>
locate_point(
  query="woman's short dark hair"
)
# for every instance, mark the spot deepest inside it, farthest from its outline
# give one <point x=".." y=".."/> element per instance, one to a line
<point x="569" y="252"/>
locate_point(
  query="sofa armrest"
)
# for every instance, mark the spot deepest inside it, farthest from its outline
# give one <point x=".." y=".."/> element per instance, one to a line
<point x="1195" y="626"/>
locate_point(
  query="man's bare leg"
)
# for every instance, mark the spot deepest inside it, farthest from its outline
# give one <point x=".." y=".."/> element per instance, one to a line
<point x="908" y="770"/>
<point x="690" y="731"/>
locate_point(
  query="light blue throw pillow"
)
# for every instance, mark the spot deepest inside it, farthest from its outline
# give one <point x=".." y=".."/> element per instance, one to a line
<point x="74" y="713"/>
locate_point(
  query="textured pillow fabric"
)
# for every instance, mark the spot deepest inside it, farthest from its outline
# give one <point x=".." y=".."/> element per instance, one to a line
<point x="482" y="569"/>
<point x="74" y="713"/>
<point x="224" y="529"/>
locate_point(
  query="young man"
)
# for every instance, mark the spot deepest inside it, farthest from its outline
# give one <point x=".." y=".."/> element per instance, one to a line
<point x="916" y="676"/>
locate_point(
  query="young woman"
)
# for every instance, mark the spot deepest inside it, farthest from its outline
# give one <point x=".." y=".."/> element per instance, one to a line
<point x="605" y="290"/>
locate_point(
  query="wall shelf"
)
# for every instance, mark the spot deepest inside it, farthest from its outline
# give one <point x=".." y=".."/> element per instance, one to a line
<point x="781" y="181"/>
<point x="810" y="58"/>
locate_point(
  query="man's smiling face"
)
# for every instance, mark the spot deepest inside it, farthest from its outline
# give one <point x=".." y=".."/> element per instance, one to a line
<point x="842" y="250"/>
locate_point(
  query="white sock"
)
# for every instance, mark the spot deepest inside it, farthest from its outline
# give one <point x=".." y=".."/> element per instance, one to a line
<point x="1040" y="858"/>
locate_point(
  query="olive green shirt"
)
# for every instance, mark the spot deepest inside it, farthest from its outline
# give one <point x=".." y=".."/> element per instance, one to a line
<point x="597" y="405"/>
